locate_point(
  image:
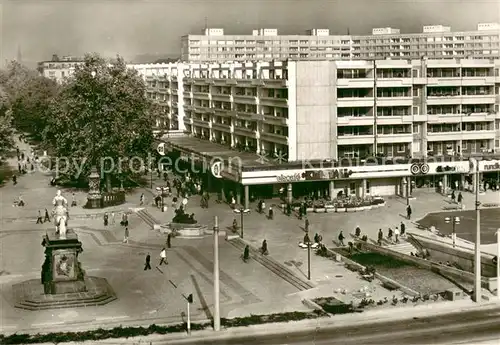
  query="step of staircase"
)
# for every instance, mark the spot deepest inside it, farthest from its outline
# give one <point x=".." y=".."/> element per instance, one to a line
<point x="148" y="218"/>
<point x="275" y="267"/>
<point x="404" y="248"/>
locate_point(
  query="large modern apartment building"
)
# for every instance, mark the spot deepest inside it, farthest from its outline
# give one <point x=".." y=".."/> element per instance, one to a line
<point x="434" y="42"/>
<point x="319" y="111"/>
<point x="335" y="109"/>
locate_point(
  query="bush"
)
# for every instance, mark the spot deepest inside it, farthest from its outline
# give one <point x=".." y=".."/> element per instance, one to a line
<point x="129" y="332"/>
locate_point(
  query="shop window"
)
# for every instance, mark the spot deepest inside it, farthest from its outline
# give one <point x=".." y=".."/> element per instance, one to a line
<point x="497" y="143"/>
<point x="368" y="186"/>
<point x="352" y="188"/>
<point x="401" y="148"/>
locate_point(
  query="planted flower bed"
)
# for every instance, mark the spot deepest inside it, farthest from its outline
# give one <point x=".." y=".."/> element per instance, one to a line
<point x="129" y="332"/>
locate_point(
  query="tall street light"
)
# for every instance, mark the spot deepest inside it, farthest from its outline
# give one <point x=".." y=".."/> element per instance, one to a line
<point x="216" y="276"/>
<point x="242" y="213"/>
<point x="455" y="221"/>
<point x="307" y="241"/>
<point x="497" y="263"/>
<point x="477" y="246"/>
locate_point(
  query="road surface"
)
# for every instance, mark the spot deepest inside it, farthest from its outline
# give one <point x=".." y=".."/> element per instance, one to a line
<point x="460" y="328"/>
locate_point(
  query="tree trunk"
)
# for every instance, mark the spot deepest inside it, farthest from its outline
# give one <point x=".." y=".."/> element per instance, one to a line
<point x="108" y="183"/>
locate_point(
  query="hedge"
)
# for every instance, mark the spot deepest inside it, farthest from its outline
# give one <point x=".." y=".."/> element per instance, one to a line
<point x="129" y="332"/>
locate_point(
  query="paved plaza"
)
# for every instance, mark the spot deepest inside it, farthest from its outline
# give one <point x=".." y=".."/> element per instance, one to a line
<point x="155" y="296"/>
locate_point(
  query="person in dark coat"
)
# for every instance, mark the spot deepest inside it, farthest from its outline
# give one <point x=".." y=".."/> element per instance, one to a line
<point x="169" y="241"/>
<point x="380" y="237"/>
<point x="403" y="228"/>
<point x="341" y="238"/>
<point x="246" y="253"/>
<point x="147" y="264"/>
<point x="408" y="212"/>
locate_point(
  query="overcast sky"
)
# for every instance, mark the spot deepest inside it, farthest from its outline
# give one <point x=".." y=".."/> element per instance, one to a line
<point x="131" y="27"/>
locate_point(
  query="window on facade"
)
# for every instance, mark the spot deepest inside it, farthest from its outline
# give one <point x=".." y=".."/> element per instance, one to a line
<point x="415" y="110"/>
<point x="368" y="187"/>
<point x="400" y="147"/>
<point x="415" y="92"/>
<point x="416" y="128"/>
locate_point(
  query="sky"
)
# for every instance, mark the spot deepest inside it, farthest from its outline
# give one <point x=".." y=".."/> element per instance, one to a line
<point x="41" y="28"/>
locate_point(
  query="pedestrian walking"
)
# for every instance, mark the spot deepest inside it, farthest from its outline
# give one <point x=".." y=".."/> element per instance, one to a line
<point x="396" y="234"/>
<point x="403" y="229"/>
<point x="380" y="237"/>
<point x="125" y="237"/>
<point x="306" y="225"/>
<point x="460" y="198"/>
<point x="73" y="200"/>
<point x="39" y="218"/>
<point x="141" y="199"/>
<point x="47" y="216"/>
<point x="357" y="231"/>
<point x="163" y="257"/>
<point x="453" y="196"/>
<point x="408" y="212"/>
<point x="113" y="219"/>
<point x="341" y="238"/>
<point x="105" y="219"/>
<point x="14" y="179"/>
<point x="169" y="241"/>
<point x="246" y="254"/>
<point x="389" y="234"/>
<point x="147" y="265"/>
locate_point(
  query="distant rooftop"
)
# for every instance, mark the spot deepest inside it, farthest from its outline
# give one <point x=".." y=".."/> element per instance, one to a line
<point x="436" y="28"/>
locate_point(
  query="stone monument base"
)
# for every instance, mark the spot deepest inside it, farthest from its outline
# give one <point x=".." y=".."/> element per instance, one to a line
<point x="30" y="294"/>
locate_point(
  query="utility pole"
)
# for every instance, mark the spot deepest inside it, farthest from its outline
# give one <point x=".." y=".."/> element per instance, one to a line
<point x="307" y="241"/>
<point x="498" y="264"/>
<point x="477" y="247"/>
<point x="216" y="276"/>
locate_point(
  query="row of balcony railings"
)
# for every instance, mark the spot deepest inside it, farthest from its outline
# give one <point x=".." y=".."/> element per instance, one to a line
<point x="381" y="73"/>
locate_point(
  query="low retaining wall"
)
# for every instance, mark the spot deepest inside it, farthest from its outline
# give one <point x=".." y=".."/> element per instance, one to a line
<point x="462" y="256"/>
<point x="445" y="270"/>
<point x="188" y="230"/>
<point x="379" y="276"/>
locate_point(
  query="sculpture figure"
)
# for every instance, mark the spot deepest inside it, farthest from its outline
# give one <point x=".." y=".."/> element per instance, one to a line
<point x="60" y="214"/>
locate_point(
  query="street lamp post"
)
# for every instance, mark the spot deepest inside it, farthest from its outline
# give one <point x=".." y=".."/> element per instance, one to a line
<point x="477" y="246"/>
<point x="498" y="263"/>
<point x="307" y="241"/>
<point x="242" y="213"/>
<point x="455" y="221"/>
<point x="216" y="276"/>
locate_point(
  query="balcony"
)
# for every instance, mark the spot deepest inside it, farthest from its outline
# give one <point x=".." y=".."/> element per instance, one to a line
<point x="224" y="127"/>
<point x="478" y="117"/>
<point x="394" y="82"/>
<point x="460" y="135"/>
<point x="188" y="81"/>
<point x="275" y="83"/>
<point x="394" y="120"/>
<point x="478" y="99"/>
<point x="394" y="138"/>
<point x="444" y="81"/>
<point x="355" y="120"/>
<point x="349" y="102"/>
<point x="224" y="112"/>
<point x="273" y="137"/>
<point x="478" y="81"/>
<point x="201" y="123"/>
<point x="201" y="95"/>
<point x="275" y="120"/>
<point x="443" y="100"/>
<point x="394" y="101"/>
<point x="444" y="118"/>
<point x="223" y="97"/>
<point x="355" y="139"/>
<point x="244" y="99"/>
<point x="247" y="132"/>
<point x="187" y="94"/>
<point x="246" y="115"/>
<point x="200" y="81"/>
<point x="273" y="101"/>
<point x="355" y="83"/>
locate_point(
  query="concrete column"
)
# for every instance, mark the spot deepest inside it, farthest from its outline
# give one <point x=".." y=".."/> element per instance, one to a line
<point x="247" y="197"/>
<point x="402" y="187"/>
<point x="289" y="194"/>
<point x="363" y="189"/>
<point x="331" y="188"/>
<point x="238" y="195"/>
<point x="462" y="182"/>
<point x="473" y="187"/>
<point x="445" y="184"/>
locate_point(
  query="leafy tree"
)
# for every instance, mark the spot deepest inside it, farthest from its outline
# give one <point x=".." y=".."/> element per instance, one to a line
<point x="6" y="133"/>
<point x="29" y="98"/>
<point x="102" y="113"/>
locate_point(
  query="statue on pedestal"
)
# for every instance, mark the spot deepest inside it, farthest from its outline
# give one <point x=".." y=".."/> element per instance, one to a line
<point x="60" y="214"/>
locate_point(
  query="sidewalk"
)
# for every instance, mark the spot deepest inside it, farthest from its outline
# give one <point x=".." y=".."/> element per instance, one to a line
<point x="369" y="317"/>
